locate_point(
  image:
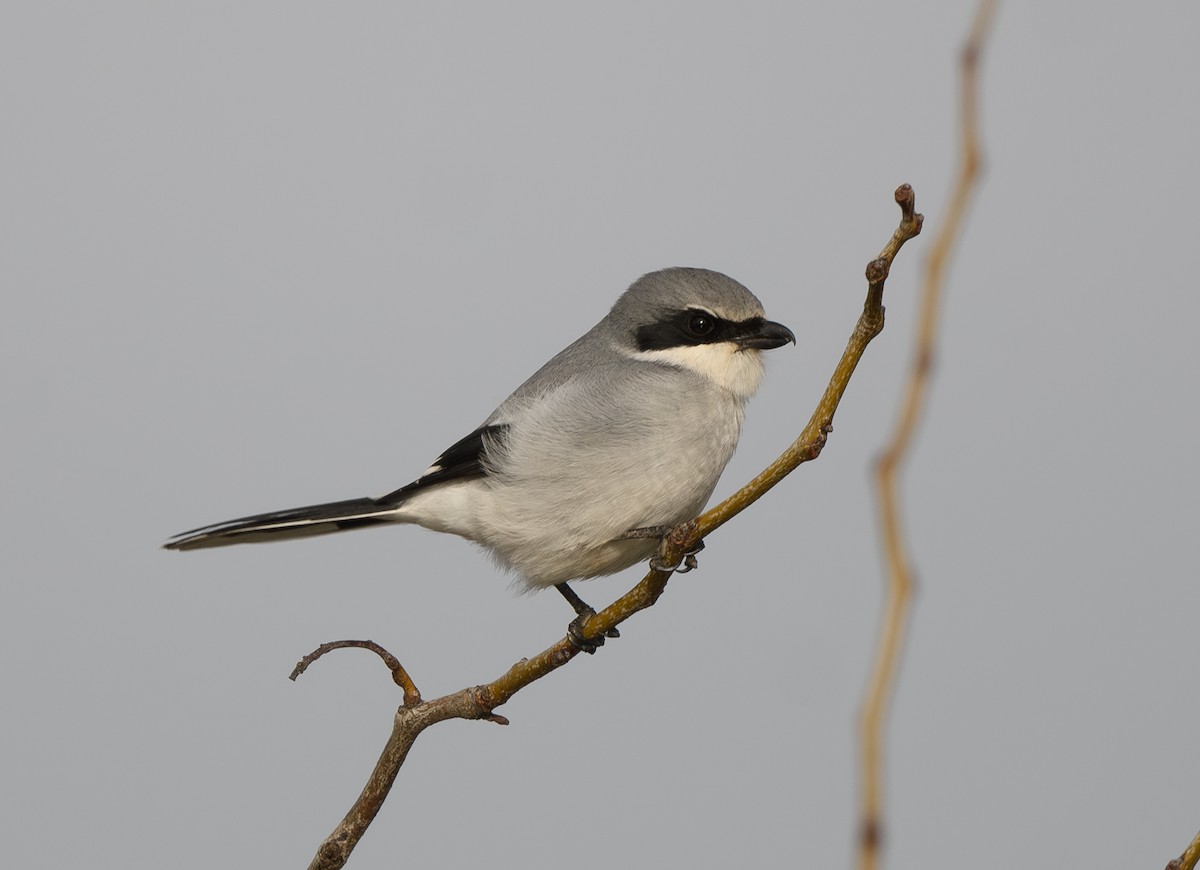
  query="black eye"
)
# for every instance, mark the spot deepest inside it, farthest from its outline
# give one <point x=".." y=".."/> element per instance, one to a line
<point x="701" y="324"/>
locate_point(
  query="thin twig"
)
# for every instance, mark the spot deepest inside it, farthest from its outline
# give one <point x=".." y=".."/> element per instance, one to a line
<point x="812" y="439"/>
<point x="900" y="582"/>
<point x="400" y="676"/>
<point x="480" y="702"/>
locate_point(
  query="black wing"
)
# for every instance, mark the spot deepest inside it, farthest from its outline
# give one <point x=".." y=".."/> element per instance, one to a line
<point x="463" y="460"/>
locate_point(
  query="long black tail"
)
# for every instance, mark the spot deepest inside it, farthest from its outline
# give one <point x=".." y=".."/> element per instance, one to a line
<point x="317" y="519"/>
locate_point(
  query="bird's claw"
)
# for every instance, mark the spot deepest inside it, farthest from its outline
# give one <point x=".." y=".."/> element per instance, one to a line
<point x="588" y="645"/>
<point x="583" y="612"/>
<point x="688" y="563"/>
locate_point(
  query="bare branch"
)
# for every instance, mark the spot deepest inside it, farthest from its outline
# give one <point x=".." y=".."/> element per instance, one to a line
<point x="812" y="439"/>
<point x="480" y="702"/>
<point x="900" y="580"/>
<point x="410" y="721"/>
<point x="400" y="676"/>
<point x="1189" y="858"/>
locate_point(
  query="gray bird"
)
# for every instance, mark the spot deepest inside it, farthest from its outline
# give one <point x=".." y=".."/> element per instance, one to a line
<point x="627" y="428"/>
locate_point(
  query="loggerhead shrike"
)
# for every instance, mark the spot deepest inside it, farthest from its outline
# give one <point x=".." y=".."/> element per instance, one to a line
<point x="628" y="428"/>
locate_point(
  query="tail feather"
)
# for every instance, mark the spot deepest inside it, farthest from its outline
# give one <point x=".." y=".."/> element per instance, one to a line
<point x="317" y="519"/>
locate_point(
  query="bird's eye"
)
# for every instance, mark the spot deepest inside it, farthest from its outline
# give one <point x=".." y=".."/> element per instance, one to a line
<point x="701" y="324"/>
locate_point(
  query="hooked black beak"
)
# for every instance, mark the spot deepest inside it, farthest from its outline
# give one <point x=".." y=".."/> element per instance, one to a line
<point x="764" y="335"/>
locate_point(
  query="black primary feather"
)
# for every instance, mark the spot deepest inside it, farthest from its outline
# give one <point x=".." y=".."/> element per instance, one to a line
<point x="461" y="461"/>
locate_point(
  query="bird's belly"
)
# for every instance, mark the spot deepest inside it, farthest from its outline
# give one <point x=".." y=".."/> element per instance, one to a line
<point x="559" y="502"/>
<point x="572" y="529"/>
<point x="540" y="567"/>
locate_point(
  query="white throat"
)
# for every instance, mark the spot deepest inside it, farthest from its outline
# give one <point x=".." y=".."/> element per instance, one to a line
<point x="738" y="371"/>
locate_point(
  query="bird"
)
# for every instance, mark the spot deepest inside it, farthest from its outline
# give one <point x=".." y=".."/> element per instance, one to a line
<point x="626" y="429"/>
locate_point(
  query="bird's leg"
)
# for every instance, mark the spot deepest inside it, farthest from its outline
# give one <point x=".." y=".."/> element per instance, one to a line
<point x="689" y="562"/>
<point x="582" y="612"/>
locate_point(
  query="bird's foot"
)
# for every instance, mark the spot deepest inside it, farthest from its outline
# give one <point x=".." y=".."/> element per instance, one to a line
<point x="689" y="562"/>
<point x="588" y="645"/>
<point x="583" y="612"/>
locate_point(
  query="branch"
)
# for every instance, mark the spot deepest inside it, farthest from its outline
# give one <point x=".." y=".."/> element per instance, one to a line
<point x="807" y="446"/>
<point x="900" y="581"/>
<point x="1189" y="858"/>
<point x="415" y="715"/>
<point x="400" y="677"/>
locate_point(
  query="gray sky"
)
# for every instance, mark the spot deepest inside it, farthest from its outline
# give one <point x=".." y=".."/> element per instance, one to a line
<point x="258" y="255"/>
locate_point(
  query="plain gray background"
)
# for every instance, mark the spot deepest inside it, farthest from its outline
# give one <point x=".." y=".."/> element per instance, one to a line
<point x="262" y="254"/>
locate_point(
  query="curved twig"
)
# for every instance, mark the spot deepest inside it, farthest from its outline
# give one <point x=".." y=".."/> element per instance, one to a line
<point x="399" y="676"/>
